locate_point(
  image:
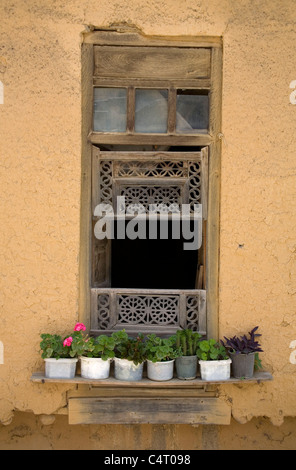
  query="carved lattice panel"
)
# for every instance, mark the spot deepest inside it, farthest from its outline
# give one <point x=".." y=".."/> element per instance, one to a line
<point x="150" y="196"/>
<point x="127" y="173"/>
<point x="147" y="180"/>
<point x="148" y="310"/>
<point x="154" y="169"/>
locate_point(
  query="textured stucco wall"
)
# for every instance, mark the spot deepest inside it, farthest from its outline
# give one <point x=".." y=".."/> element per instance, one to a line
<point x="40" y="173"/>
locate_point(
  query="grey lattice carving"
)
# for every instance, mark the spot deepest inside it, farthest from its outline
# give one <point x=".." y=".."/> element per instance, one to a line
<point x="192" y="312"/>
<point x="155" y="169"/>
<point x="143" y="310"/>
<point x="148" y="310"/>
<point x="106" y="180"/>
<point x="147" y="196"/>
<point x="151" y="194"/>
<point x="194" y="184"/>
<point x="103" y="311"/>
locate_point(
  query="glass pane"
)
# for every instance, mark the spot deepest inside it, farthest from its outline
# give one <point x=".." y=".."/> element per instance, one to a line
<point x="192" y="112"/>
<point x="151" y="111"/>
<point x="110" y="105"/>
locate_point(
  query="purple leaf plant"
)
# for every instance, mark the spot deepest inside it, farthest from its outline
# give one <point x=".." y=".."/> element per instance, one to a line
<point x="243" y="344"/>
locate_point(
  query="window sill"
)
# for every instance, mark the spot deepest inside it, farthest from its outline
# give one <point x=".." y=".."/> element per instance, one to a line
<point x="112" y="401"/>
<point x="39" y="377"/>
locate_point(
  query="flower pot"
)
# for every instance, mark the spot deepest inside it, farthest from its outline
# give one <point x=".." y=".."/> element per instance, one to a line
<point x="160" y="371"/>
<point x="63" y="368"/>
<point x="94" y="367"/>
<point x="186" y="367"/>
<point x="215" y="370"/>
<point x="242" y="365"/>
<point x="127" y="370"/>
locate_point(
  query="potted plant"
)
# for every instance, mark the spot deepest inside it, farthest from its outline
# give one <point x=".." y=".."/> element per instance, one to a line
<point x="129" y="356"/>
<point x="161" y="355"/>
<point x="59" y="354"/>
<point x="244" y="353"/>
<point x="213" y="360"/>
<point x="96" y="356"/>
<point x="186" y="363"/>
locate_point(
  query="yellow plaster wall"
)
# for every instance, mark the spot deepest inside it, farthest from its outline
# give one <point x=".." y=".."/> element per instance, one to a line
<point x="31" y="432"/>
<point x="40" y="173"/>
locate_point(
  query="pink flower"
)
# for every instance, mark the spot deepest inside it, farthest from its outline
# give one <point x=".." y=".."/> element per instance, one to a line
<point x="80" y="327"/>
<point x="68" y="341"/>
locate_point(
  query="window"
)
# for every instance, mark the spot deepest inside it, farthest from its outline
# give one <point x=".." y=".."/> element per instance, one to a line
<point x="150" y="126"/>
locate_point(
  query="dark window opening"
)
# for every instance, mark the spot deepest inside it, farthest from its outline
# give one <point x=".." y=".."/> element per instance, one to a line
<point x="153" y="264"/>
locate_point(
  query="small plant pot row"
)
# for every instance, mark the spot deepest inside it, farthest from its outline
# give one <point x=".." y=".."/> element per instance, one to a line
<point x="125" y="370"/>
<point x="183" y="351"/>
<point x="98" y="369"/>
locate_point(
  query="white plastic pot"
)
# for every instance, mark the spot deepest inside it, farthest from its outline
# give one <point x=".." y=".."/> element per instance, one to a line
<point x="160" y="371"/>
<point x="62" y="368"/>
<point x="94" y="367"/>
<point x="215" y="370"/>
<point x="128" y="371"/>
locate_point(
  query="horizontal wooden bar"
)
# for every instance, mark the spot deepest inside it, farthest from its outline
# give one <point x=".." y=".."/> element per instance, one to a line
<point x="148" y="410"/>
<point x="85" y="391"/>
<point x="121" y="36"/>
<point x="39" y="377"/>
<point x="153" y="62"/>
<point x="198" y="140"/>
<point x="147" y="156"/>
<point x="124" y="82"/>
<point x="118" y="290"/>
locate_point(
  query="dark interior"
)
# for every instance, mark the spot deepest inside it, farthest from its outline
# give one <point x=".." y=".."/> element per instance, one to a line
<point x="153" y="264"/>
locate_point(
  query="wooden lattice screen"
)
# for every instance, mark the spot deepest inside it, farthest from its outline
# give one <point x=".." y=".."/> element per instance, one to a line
<point x="149" y="179"/>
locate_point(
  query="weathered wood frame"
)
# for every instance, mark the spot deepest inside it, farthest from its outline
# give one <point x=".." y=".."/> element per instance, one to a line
<point x="211" y="139"/>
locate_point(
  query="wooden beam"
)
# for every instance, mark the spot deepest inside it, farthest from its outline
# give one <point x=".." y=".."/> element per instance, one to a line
<point x="144" y="410"/>
<point x="150" y="139"/>
<point x="152" y="62"/>
<point x="125" y="37"/>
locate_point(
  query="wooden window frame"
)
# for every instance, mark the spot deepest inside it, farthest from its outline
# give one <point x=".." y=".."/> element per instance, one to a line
<point x="211" y="140"/>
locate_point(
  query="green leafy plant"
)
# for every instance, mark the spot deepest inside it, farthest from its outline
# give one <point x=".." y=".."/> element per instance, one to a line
<point x="56" y="347"/>
<point x="187" y="341"/>
<point x="52" y="347"/>
<point x="161" y="349"/>
<point x="132" y="349"/>
<point x="101" y="347"/>
<point x="211" y="350"/>
<point x="257" y="363"/>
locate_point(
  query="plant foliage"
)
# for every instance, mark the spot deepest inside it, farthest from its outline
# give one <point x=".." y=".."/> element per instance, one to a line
<point x="211" y="350"/>
<point x="243" y="344"/>
<point x="187" y="341"/>
<point x="56" y="347"/>
<point x="132" y="349"/>
<point x="101" y="346"/>
<point x="161" y="349"/>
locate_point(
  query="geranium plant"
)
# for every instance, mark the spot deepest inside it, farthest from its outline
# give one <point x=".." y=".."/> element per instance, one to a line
<point x="132" y="349"/>
<point x="161" y="349"/>
<point x="101" y="346"/>
<point x="56" y="347"/>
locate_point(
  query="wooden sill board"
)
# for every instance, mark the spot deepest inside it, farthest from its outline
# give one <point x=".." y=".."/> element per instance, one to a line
<point x="39" y="377"/>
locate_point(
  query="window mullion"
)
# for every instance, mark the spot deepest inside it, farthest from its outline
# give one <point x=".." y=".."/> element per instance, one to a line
<point x="131" y="109"/>
<point x="172" y="106"/>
